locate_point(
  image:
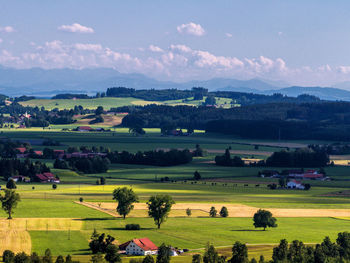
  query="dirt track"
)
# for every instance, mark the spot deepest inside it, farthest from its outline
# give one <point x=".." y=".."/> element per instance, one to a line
<point x="235" y="210"/>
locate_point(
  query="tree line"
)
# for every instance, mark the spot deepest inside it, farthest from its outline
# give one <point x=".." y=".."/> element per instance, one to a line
<point x="12" y="167"/>
<point x="304" y="157"/>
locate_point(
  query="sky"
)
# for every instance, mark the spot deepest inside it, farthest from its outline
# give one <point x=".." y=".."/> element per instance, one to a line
<point x="294" y="41"/>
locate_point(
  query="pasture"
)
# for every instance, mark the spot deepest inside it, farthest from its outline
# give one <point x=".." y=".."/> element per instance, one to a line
<point x="45" y="214"/>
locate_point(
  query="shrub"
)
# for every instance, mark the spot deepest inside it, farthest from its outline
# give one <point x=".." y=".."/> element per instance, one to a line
<point x="132" y="227"/>
<point x="81" y="199"/>
<point x="54" y="186"/>
<point x="8" y="256"/>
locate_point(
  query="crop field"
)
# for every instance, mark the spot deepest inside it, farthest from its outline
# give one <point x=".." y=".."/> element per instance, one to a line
<point x="56" y="219"/>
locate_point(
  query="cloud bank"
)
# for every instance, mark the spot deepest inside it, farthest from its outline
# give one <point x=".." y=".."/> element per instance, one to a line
<point x="177" y="62"/>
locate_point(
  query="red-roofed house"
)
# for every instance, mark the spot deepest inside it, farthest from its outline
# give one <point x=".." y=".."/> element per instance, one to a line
<point x="21" y="149"/>
<point x="313" y="176"/>
<point x="39" y="153"/>
<point x="294" y="184"/>
<point x="47" y="178"/>
<point x="58" y="153"/>
<point x="140" y="247"/>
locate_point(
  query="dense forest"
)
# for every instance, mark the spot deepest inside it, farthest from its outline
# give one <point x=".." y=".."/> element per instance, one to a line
<point x="322" y="120"/>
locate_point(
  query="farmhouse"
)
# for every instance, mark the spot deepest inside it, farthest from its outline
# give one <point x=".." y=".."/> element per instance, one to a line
<point x="47" y="178"/>
<point x="139" y="247"/>
<point x="294" y="184"/>
<point x="20" y="178"/>
<point x="84" y="128"/>
<point x="269" y="173"/>
<point x="21" y="149"/>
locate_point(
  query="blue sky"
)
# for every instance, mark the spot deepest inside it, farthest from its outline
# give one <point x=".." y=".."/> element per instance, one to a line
<point x="300" y="42"/>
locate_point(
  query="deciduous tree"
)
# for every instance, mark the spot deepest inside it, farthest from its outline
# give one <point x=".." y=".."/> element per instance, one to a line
<point x="264" y="218"/>
<point x="159" y="207"/>
<point x="9" y="201"/>
<point x="125" y="198"/>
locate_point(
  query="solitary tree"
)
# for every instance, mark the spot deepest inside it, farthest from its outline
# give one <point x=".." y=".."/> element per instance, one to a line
<point x="159" y="207"/>
<point x="282" y="182"/>
<point x="99" y="110"/>
<point x="224" y="212"/>
<point x="197" y="175"/>
<point x="163" y="255"/>
<point x="11" y="184"/>
<point x="125" y="198"/>
<point x="239" y="253"/>
<point x="9" y="201"/>
<point x="8" y="256"/>
<point x="264" y="218"/>
<point x="210" y="254"/>
<point x="196" y="258"/>
<point x="59" y="259"/>
<point x="213" y="212"/>
<point x="112" y="255"/>
<point x="47" y="258"/>
<point x="188" y="212"/>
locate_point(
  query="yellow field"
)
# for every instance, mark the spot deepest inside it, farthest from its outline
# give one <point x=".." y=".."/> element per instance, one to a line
<point x="53" y="224"/>
<point x="235" y="210"/>
<point x="144" y="103"/>
<point x="15" y="240"/>
<point x="341" y="162"/>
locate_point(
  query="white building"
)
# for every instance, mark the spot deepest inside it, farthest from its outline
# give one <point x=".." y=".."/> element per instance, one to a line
<point x="294" y="184"/>
<point x="139" y="247"/>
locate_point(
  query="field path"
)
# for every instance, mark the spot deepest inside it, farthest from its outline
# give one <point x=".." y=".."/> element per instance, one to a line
<point x="235" y="210"/>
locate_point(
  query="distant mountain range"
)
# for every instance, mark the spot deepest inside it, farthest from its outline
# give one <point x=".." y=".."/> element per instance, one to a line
<point x="41" y="82"/>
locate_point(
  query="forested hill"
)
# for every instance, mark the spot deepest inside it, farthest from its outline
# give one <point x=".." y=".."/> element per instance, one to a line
<point x="197" y="93"/>
<point x="322" y="120"/>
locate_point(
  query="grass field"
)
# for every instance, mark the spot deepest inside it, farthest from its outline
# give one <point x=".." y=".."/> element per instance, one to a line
<point x="111" y="102"/>
<point x="47" y="218"/>
<point x="107" y="103"/>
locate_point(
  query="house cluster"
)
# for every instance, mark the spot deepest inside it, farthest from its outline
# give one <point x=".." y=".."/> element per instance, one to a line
<point x="47" y="178"/>
<point x="23" y="152"/>
<point x="61" y="154"/>
<point x="178" y="132"/>
<point x="142" y="247"/>
<point x="295" y="174"/>
<point x="42" y="178"/>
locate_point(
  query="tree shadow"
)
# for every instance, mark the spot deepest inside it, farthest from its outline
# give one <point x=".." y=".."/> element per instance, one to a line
<point x="248" y="230"/>
<point x="123" y="229"/>
<point x="96" y="219"/>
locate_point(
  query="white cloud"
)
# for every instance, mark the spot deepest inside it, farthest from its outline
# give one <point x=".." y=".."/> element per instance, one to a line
<point x="7" y="29"/>
<point x="88" y="47"/>
<point x="280" y="33"/>
<point x="229" y="35"/>
<point x="76" y="28"/>
<point x="1" y="40"/>
<point x="154" y="48"/>
<point x="191" y="29"/>
<point x="181" y="48"/>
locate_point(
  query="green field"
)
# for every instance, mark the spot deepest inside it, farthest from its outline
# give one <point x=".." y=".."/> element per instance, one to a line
<point x="111" y="102"/>
<point x="107" y="103"/>
<point x="230" y="185"/>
